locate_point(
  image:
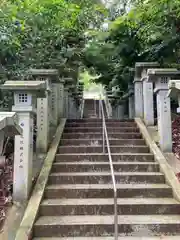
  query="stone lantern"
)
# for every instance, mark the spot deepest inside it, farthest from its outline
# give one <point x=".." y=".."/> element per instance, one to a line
<point x="56" y="86"/>
<point x="25" y="98"/>
<point x="49" y="109"/>
<point x="161" y="78"/>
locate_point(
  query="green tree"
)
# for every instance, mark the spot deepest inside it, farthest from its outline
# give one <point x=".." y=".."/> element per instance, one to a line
<point x="142" y="31"/>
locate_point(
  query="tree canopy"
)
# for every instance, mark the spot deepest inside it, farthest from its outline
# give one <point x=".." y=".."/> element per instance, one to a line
<point x="142" y="31"/>
<point x="67" y="34"/>
<point x="45" y="33"/>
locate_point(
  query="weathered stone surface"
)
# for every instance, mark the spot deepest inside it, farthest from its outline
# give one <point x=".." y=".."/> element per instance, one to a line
<point x="30" y="215"/>
<point x="79" y="198"/>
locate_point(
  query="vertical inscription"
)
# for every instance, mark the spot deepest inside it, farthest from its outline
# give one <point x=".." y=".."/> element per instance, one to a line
<point x="41" y="114"/>
<point x="21" y="147"/>
<point x="53" y="99"/>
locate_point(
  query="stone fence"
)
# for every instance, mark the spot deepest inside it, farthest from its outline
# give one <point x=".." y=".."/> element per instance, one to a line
<point x="44" y="98"/>
<point x="153" y="90"/>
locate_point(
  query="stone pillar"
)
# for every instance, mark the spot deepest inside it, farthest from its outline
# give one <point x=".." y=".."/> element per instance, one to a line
<point x="114" y="112"/>
<point x="138" y="98"/>
<point x="23" y="158"/>
<point x="109" y="106"/>
<point x="120" y="111"/>
<point x="81" y="106"/>
<point x="61" y="99"/>
<point x="46" y="118"/>
<point x="24" y="104"/>
<point x="52" y="122"/>
<point x="148" y="102"/>
<point x="70" y="104"/>
<point x="75" y="108"/>
<point x="143" y="91"/>
<point x="130" y="101"/>
<point x="164" y="120"/>
<point x="161" y="78"/>
<point x="55" y="102"/>
<point x="43" y="120"/>
<point x="131" y="106"/>
<point x="52" y="78"/>
<point x="66" y="103"/>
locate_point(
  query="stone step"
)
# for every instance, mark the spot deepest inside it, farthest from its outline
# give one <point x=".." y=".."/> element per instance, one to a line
<point x="106" y="191"/>
<point x="96" y="149"/>
<point x="108" y="120"/>
<point x="101" y="206"/>
<point x="91" y="135"/>
<point x="99" y="129"/>
<point x="105" y="177"/>
<point x="99" y="142"/>
<point x="90" y="115"/>
<point x="98" y="225"/>
<point x="162" y="237"/>
<point x="104" y="166"/>
<point x="100" y="157"/>
<point x="99" y="124"/>
<point x="89" y="111"/>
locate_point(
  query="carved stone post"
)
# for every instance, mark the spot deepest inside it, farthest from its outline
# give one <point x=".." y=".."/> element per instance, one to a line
<point x="144" y="107"/>
<point x="25" y="93"/>
<point x="161" y="78"/>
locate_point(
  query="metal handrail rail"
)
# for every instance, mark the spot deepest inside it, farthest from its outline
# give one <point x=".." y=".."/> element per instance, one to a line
<point x="105" y="137"/>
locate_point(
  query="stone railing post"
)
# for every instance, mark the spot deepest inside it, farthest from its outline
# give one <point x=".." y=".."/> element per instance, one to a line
<point x="138" y="92"/>
<point x="79" y="96"/>
<point x="66" y="103"/>
<point x="120" y="110"/>
<point x="71" y="106"/>
<point x="72" y="109"/>
<point x="25" y="93"/>
<point x="60" y="98"/>
<point x="76" y="103"/>
<point x="109" y="108"/>
<point x="148" y="93"/>
<point x="161" y="78"/>
<point x="131" y="106"/>
<point x="131" y="101"/>
<point x="67" y="98"/>
<point x="114" y="111"/>
<point x="81" y="104"/>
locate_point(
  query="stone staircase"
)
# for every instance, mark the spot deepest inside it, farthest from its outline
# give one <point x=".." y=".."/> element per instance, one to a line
<point x="91" y="108"/>
<point x="78" y="201"/>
